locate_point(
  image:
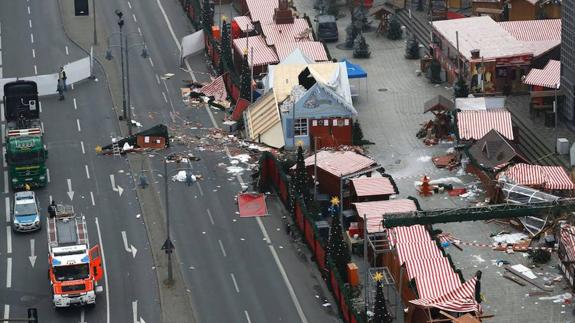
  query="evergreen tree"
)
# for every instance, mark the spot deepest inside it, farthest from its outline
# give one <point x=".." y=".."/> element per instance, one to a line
<point x="394" y="32"/>
<point x="412" y="48"/>
<point x="380" y="313"/>
<point x="301" y="179"/>
<point x="292" y="196"/>
<point x="336" y="249"/>
<point x="245" y="79"/>
<point x="360" y="47"/>
<point x="460" y="88"/>
<point x="207" y="17"/>
<point x="226" y="58"/>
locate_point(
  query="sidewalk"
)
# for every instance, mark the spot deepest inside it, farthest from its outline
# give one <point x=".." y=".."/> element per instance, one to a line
<point x="391" y="116"/>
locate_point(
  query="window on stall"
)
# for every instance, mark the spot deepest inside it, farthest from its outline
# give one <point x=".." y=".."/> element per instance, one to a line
<point x="300" y="127"/>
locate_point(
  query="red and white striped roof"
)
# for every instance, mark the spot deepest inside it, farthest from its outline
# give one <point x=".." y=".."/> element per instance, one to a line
<point x="340" y="163"/>
<point x="409" y="234"/>
<point x="285" y="33"/>
<point x="568" y="241"/>
<point x="262" y="10"/>
<point x="549" y="177"/>
<point x="311" y="49"/>
<point x="475" y="124"/>
<point x="539" y="36"/>
<point x="438" y="281"/>
<point x="217" y="89"/>
<point x="420" y="267"/>
<point x="375" y="211"/>
<point x="369" y="186"/>
<point x="263" y="54"/>
<point x="549" y="76"/>
<point x="417" y="250"/>
<point x="460" y="299"/>
<point x="245" y="23"/>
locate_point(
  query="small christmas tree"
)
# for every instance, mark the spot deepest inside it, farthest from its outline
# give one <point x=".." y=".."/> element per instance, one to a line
<point x="226" y="45"/>
<point x="412" y="48"/>
<point x="245" y="79"/>
<point x="460" y="88"/>
<point x="207" y="16"/>
<point x="360" y="47"/>
<point x="394" y="32"/>
<point x="337" y="250"/>
<point x="380" y="313"/>
<point x="301" y="179"/>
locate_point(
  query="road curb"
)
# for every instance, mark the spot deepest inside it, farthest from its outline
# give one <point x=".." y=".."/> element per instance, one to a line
<point x="175" y="302"/>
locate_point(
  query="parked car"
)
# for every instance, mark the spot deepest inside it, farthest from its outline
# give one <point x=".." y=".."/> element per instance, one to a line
<point x="327" y="28"/>
<point x="25" y="212"/>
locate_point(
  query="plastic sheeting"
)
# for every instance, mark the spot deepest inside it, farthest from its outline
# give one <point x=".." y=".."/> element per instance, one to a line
<point x="192" y="44"/>
<point x="252" y="204"/>
<point x="48" y="83"/>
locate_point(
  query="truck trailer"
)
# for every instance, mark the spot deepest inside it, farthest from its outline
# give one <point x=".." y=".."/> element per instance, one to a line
<point x="25" y="151"/>
<point x="74" y="267"/>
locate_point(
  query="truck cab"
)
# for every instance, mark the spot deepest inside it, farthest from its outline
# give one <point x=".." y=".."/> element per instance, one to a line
<point x="327" y="28"/>
<point x="25" y="212"/>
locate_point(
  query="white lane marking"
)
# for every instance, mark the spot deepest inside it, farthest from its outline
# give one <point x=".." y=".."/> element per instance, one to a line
<point x="135" y="311"/>
<point x="106" y="287"/>
<point x="139" y="30"/>
<point x="247" y="316"/>
<point x="4" y="164"/>
<point x="235" y="283"/>
<point x="82" y="145"/>
<point x="32" y="38"/>
<point x="67" y="52"/>
<point x="211" y="218"/>
<point x="28" y="9"/>
<point x="75" y="104"/>
<point x="157" y="79"/>
<point x="32" y="257"/>
<point x="6" y="311"/>
<point x="87" y="171"/>
<point x="72" y="86"/>
<point x="30" y="23"/>
<point x="40" y="106"/>
<point x="130" y="249"/>
<point x="0" y="58"/>
<point x="169" y="26"/>
<point x="42" y="126"/>
<point x="33" y="53"/>
<point x="6" y="188"/>
<point x="9" y="272"/>
<point x="82" y="316"/>
<point x="35" y="70"/>
<point x="134" y="16"/>
<point x="92" y="197"/>
<point x="0" y="72"/>
<point x="2" y="117"/>
<point x="151" y="61"/>
<point x="7" y="208"/>
<point x="222" y="248"/>
<point x="48" y="174"/>
<point x="78" y="123"/>
<point x="165" y="97"/>
<point x="50" y="199"/>
<point x="8" y="239"/>
<point x="200" y="189"/>
<point x="70" y="191"/>
<point x="289" y="286"/>
<point x="129" y="5"/>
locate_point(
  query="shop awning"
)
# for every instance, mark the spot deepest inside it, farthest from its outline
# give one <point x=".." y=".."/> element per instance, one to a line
<point x="354" y="71"/>
<point x="263" y="54"/>
<point x="473" y="125"/>
<point x="375" y="211"/>
<point x="460" y="299"/>
<point x="287" y="33"/>
<point x="339" y="163"/>
<point x="370" y="186"/>
<point x="549" y="76"/>
<point x="217" y="89"/>
<point x="311" y="49"/>
<point x="568" y="241"/>
<point x="244" y="23"/>
<point x="251" y="205"/>
<point x="549" y="177"/>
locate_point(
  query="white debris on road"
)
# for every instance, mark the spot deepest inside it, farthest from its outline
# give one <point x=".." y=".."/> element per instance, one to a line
<point x="181" y="177"/>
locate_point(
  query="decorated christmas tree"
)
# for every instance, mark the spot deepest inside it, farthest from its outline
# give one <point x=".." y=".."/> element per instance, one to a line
<point x="245" y="79"/>
<point x="337" y="250"/>
<point x="301" y="179"/>
<point x="360" y="47"/>
<point x="394" y="32"/>
<point x="380" y="313"/>
<point x="460" y="88"/>
<point x="226" y="58"/>
<point x="207" y="16"/>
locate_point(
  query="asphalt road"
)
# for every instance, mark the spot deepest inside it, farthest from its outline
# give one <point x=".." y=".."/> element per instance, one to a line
<point x="33" y="43"/>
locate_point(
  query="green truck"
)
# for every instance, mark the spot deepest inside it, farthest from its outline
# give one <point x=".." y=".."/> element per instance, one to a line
<point x="25" y="151"/>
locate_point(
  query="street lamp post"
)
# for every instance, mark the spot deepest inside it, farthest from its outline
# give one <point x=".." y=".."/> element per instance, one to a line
<point x="124" y="47"/>
<point x="94" y="16"/>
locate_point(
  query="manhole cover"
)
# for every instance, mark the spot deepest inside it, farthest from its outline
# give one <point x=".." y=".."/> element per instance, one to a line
<point x="382" y="90"/>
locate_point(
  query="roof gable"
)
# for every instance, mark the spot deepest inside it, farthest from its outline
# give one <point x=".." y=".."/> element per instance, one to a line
<point x="321" y="101"/>
<point x="493" y="150"/>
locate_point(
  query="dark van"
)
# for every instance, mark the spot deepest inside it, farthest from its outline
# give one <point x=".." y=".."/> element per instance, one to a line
<point x="327" y="28"/>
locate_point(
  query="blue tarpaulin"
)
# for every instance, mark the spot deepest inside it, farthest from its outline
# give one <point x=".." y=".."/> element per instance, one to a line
<point x="354" y="71"/>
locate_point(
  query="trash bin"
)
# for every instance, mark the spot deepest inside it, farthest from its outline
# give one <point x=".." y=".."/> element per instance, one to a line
<point x="549" y="119"/>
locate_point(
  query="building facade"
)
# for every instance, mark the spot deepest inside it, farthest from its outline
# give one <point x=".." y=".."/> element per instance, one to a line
<point x="568" y="57"/>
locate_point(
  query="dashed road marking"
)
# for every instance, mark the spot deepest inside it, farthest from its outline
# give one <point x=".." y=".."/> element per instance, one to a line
<point x="165" y="97"/>
<point x="92" y="197"/>
<point x="8" y="239"/>
<point x="134" y="16"/>
<point x="28" y="9"/>
<point x="222" y="248"/>
<point x="82" y="145"/>
<point x="87" y="171"/>
<point x="9" y="272"/>
<point x="157" y="79"/>
<point x="2" y="117"/>
<point x="129" y="5"/>
<point x="32" y="38"/>
<point x="78" y="123"/>
<point x="6" y="188"/>
<point x="75" y="104"/>
<point x="33" y="53"/>
<point x="4" y="164"/>
<point x="211" y="218"/>
<point x="106" y="286"/>
<point x="235" y="283"/>
<point x="67" y="52"/>
<point x="30" y="23"/>
<point x="48" y="174"/>
<point x="7" y="207"/>
<point x="151" y="61"/>
<point x="6" y="311"/>
<point x="247" y="317"/>
<point x="35" y="70"/>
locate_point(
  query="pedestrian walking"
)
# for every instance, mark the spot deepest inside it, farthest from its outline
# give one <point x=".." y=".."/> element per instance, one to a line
<point x="52" y="209"/>
<point x="189" y="178"/>
<point x="60" y="89"/>
<point x="62" y="76"/>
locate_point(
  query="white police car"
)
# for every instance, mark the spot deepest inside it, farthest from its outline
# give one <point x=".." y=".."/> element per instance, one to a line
<point x="25" y="213"/>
